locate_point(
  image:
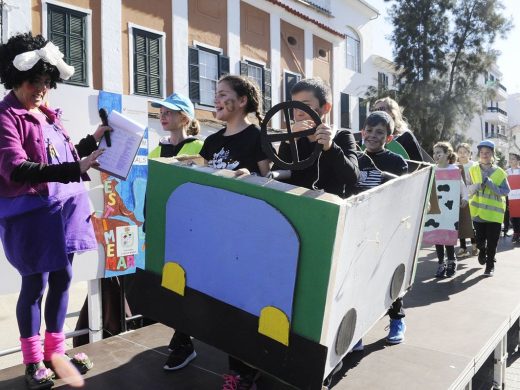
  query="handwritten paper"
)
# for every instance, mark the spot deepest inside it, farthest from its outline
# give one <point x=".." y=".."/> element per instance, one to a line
<point x="126" y="139"/>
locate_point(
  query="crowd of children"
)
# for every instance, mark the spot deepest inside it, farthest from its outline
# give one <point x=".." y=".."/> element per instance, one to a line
<point x="342" y="168"/>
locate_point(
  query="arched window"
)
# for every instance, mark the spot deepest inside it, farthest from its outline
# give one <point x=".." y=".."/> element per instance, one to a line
<point x="353" y="50"/>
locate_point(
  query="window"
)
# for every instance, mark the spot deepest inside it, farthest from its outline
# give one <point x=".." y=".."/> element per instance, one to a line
<point x="345" y="111"/>
<point x="363" y="108"/>
<point x="262" y="77"/>
<point x="67" y="30"/>
<point x="486" y="129"/>
<point x="382" y="81"/>
<point x="205" y="68"/>
<point x="147" y="63"/>
<point x="353" y="51"/>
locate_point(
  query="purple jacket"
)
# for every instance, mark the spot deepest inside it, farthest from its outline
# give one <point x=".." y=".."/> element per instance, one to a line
<point x="21" y="139"/>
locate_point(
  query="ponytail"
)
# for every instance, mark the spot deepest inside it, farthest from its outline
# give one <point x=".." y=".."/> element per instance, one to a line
<point x="259" y="117"/>
<point x="193" y="128"/>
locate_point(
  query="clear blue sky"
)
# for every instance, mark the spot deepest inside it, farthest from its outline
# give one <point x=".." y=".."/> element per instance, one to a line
<point x="509" y="60"/>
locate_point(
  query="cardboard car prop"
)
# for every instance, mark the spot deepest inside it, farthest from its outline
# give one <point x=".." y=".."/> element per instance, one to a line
<point x="281" y="277"/>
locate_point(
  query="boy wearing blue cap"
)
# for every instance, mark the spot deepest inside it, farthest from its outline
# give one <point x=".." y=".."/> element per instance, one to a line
<point x="487" y="190"/>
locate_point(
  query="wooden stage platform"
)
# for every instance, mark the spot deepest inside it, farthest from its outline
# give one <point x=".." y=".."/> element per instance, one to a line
<point x="453" y="327"/>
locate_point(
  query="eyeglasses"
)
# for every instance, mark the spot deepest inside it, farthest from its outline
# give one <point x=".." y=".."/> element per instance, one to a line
<point x="378" y="109"/>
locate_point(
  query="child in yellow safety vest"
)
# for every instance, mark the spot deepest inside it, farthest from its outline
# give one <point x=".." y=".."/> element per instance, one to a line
<point x="177" y="116"/>
<point x="487" y="189"/>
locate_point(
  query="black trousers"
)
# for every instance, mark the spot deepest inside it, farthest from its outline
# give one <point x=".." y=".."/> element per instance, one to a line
<point x="516" y="224"/>
<point x="450" y="252"/>
<point x="487" y="235"/>
<point x="396" y="312"/>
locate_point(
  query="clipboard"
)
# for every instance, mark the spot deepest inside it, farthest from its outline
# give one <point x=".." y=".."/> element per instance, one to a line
<point x="126" y="139"/>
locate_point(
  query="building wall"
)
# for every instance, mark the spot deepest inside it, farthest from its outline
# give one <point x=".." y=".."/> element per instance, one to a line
<point x="151" y="14"/>
<point x="322" y="59"/>
<point x="208" y="22"/>
<point x="255" y="35"/>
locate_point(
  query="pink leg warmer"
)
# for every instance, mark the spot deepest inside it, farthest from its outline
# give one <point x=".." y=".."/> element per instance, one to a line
<point x="31" y="349"/>
<point x="53" y="343"/>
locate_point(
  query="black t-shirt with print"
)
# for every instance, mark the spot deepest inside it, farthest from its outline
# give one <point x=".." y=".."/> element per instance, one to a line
<point x="241" y="150"/>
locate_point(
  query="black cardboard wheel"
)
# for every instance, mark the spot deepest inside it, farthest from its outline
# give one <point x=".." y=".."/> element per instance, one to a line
<point x="268" y="139"/>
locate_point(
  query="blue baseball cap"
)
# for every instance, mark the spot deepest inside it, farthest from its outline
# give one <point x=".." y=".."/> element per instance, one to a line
<point x="487" y="144"/>
<point x="177" y="102"/>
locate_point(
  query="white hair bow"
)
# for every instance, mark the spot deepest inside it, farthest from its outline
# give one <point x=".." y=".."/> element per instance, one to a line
<point x="50" y="53"/>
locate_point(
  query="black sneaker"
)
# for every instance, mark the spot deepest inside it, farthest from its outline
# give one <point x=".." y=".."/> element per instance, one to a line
<point x="38" y="377"/>
<point x="451" y="269"/>
<point x="490" y="270"/>
<point x="482" y="257"/>
<point x="441" y="271"/>
<point x="180" y="356"/>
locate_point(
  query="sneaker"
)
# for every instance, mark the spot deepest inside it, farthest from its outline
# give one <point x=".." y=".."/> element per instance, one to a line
<point x="358" y="347"/>
<point x="180" y="356"/>
<point x="462" y="252"/>
<point x="490" y="270"/>
<point x="474" y="250"/>
<point x="237" y="382"/>
<point x="451" y="269"/>
<point x="38" y="377"/>
<point x="396" y="333"/>
<point x="441" y="271"/>
<point x="482" y="257"/>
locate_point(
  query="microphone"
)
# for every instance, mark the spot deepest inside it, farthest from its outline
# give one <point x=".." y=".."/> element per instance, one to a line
<point x="104" y="120"/>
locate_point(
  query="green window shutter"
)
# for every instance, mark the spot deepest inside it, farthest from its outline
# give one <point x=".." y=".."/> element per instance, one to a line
<point x="223" y="67"/>
<point x="194" y="74"/>
<point x="147" y="64"/>
<point x="67" y="30"/>
<point x="345" y="111"/>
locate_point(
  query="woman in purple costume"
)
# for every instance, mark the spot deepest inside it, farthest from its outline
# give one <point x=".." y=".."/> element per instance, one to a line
<point x="44" y="208"/>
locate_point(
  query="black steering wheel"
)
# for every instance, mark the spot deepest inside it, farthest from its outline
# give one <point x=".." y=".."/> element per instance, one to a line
<point x="268" y="139"/>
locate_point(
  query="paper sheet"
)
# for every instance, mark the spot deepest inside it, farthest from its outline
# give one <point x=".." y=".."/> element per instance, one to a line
<point x="126" y="138"/>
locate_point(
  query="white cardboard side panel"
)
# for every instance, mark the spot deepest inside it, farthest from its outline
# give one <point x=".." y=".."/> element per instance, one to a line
<point x="381" y="230"/>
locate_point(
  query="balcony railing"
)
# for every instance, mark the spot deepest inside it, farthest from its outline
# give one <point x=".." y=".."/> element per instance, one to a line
<point x="496" y="109"/>
<point x="502" y="87"/>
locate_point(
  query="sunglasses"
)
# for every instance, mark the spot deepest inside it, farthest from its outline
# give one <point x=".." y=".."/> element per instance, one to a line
<point x="378" y="109"/>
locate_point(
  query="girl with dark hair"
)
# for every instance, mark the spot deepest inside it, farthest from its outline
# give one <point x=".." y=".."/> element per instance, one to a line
<point x="44" y="208"/>
<point x="237" y="146"/>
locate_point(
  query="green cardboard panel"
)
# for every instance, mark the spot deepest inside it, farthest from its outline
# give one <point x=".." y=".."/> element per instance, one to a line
<point x="314" y="220"/>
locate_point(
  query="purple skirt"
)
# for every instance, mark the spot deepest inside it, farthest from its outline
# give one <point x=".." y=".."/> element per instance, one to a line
<point x="38" y="233"/>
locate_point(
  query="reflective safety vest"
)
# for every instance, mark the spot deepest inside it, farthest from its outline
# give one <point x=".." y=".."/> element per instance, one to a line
<point x="485" y="204"/>
<point x="191" y="149"/>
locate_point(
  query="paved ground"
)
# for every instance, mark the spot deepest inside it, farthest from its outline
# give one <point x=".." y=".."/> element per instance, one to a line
<point x="452" y="324"/>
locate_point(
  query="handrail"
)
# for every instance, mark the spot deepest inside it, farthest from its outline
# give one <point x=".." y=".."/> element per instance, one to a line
<point x="496" y="109"/>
